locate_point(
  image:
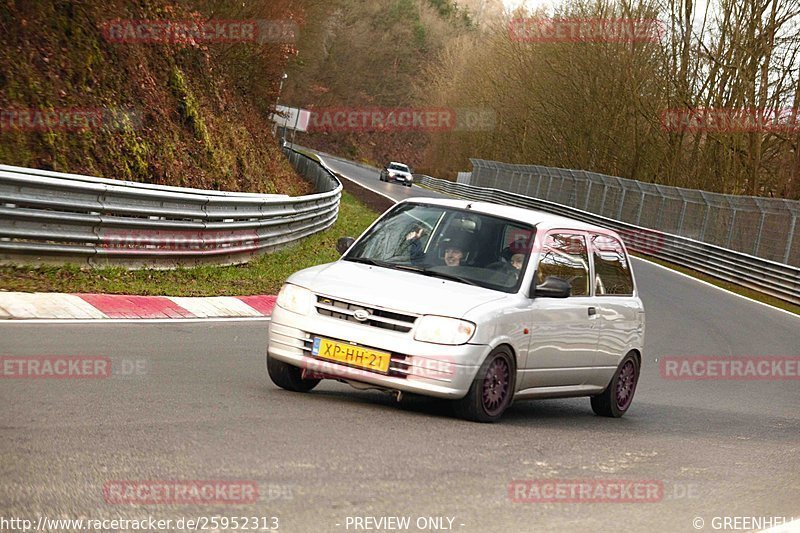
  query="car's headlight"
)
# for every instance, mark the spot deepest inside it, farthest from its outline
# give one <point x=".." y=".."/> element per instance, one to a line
<point x="295" y="299"/>
<point x="443" y="330"/>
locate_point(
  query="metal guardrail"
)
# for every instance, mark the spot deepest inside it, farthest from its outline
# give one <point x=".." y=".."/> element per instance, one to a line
<point x="775" y="279"/>
<point x="52" y="217"/>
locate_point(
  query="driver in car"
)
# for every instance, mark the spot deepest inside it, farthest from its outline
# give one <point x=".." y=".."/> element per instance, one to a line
<point x="412" y="244"/>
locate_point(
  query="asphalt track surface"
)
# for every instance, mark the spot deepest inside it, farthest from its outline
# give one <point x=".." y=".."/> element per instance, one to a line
<point x="191" y="401"/>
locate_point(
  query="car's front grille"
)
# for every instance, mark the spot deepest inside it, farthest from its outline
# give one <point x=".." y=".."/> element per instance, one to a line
<point x="369" y="316"/>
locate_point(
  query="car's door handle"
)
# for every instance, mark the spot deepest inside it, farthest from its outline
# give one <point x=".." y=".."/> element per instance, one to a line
<point x="592" y="311"/>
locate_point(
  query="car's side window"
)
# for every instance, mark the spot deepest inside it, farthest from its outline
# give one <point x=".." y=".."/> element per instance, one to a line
<point x="564" y="255"/>
<point x="612" y="272"/>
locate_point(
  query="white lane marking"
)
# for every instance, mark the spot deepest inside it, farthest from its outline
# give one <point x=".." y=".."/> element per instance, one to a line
<point x="98" y="321"/>
<point x="365" y="186"/>
<point x="26" y="305"/>
<point x="719" y="288"/>
<point x="788" y="527"/>
<point x="214" y="306"/>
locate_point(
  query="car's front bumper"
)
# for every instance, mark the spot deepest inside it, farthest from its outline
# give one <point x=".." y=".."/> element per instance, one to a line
<point x="416" y="367"/>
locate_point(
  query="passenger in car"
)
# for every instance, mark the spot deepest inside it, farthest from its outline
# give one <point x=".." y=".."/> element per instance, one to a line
<point x="517" y="260"/>
<point x="453" y="254"/>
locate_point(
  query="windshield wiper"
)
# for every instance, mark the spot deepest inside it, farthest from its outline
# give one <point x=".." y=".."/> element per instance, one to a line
<point x="411" y="268"/>
<point x="421" y="270"/>
<point x="436" y="274"/>
<point x="368" y="261"/>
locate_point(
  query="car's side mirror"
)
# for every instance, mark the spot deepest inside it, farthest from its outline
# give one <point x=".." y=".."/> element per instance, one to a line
<point x="344" y="244"/>
<point x="552" y="287"/>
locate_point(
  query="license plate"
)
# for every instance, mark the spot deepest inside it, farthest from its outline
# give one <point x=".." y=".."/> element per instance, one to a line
<point x="351" y="355"/>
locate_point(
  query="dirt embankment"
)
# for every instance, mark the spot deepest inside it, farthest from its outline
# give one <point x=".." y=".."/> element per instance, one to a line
<point x="82" y="91"/>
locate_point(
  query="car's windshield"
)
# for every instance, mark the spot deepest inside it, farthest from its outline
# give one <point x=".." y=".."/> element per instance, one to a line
<point x="460" y="245"/>
<point x="399" y="167"/>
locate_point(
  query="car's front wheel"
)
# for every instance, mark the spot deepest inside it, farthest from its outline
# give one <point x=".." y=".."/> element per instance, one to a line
<point x="492" y="389"/>
<point x="618" y="396"/>
<point x="289" y="377"/>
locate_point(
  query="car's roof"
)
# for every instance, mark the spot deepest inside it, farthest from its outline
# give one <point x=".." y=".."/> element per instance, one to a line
<point x="396" y="163"/>
<point x="529" y="216"/>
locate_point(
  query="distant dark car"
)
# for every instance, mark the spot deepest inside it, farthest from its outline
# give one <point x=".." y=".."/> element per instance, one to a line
<point x="397" y="172"/>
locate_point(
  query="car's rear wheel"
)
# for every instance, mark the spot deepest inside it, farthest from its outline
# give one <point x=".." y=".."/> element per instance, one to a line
<point x="618" y="396"/>
<point x="289" y="377"/>
<point x="492" y="389"/>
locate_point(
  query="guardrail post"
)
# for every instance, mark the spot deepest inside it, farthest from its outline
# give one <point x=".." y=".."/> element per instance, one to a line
<point x="760" y="230"/>
<point x="588" y="195"/>
<point x="730" y="231"/>
<point x="705" y="218"/>
<point x="603" y="201"/>
<point x="788" y="253"/>
<point x="660" y="218"/>
<point x="549" y="186"/>
<point x="683" y="214"/>
<point x="641" y="208"/>
<point x="621" y="202"/>
<point x="573" y="195"/>
<point x="538" y="184"/>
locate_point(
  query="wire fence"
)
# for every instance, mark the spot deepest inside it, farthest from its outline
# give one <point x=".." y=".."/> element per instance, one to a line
<point x="762" y="227"/>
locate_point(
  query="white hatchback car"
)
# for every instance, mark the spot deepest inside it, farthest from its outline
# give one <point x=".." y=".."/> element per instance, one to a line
<point x="479" y="303"/>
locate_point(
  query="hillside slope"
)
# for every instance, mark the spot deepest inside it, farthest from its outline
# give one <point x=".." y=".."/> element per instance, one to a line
<point x="187" y="113"/>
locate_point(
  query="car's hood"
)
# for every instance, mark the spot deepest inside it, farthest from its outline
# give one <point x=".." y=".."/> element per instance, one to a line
<point x="393" y="289"/>
<point x="400" y="173"/>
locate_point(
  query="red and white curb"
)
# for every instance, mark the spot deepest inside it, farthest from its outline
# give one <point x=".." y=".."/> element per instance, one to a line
<point x="51" y="305"/>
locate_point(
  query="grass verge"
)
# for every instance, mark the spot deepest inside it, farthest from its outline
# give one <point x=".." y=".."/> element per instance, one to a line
<point x="263" y="275"/>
